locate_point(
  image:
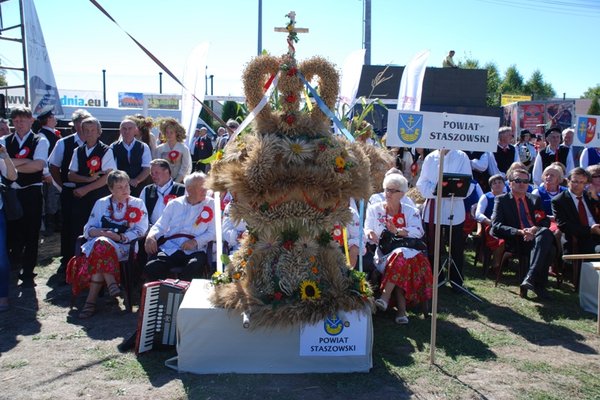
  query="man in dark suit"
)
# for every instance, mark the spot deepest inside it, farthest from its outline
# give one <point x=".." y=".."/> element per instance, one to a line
<point x="519" y="219"/>
<point x="201" y="148"/>
<point x="576" y="213"/>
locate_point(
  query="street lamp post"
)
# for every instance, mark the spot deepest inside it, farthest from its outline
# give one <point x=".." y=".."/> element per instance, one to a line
<point x="104" y="88"/>
<point x="160" y="82"/>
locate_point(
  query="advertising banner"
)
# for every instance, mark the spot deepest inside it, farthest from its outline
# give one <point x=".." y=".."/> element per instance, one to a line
<point x="587" y="131"/>
<point x="131" y="100"/>
<point x="513" y="98"/>
<point x="442" y="131"/>
<point x="42" y="86"/>
<point x="560" y="113"/>
<point x="531" y="116"/>
<point x="341" y="334"/>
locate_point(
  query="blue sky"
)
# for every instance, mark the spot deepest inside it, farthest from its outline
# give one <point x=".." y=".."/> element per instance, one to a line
<point x="557" y="37"/>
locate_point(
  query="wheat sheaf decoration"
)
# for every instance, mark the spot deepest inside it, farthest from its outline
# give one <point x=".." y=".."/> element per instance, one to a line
<point x="291" y="180"/>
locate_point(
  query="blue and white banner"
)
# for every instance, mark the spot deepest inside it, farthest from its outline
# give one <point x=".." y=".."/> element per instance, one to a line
<point x="431" y="130"/>
<point x="411" y="85"/>
<point x="341" y="334"/>
<point x="193" y="89"/>
<point x="587" y="131"/>
<point x="43" y="92"/>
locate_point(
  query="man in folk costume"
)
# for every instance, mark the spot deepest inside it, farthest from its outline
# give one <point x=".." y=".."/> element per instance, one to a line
<point x="132" y="156"/>
<point x="520" y="220"/>
<point x="164" y="189"/>
<point x="527" y="152"/>
<point x="589" y="156"/>
<point x="554" y="152"/>
<point x="568" y="134"/>
<point x="180" y="236"/>
<point x="47" y="120"/>
<point x="59" y="162"/>
<point x="28" y="152"/>
<point x="89" y="170"/>
<point x="505" y="154"/>
<point x="457" y="162"/>
<point x="201" y="148"/>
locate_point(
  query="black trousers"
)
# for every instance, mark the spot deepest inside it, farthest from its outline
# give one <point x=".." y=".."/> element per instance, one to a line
<point x="24" y="233"/>
<point x="67" y="239"/>
<point x="191" y="265"/>
<point x="457" y="251"/>
<point x="541" y="256"/>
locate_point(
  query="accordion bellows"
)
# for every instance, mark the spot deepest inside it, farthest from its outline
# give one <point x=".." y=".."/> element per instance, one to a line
<point x="291" y="181"/>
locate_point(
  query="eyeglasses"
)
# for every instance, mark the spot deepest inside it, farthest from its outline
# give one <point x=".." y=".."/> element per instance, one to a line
<point x="392" y="191"/>
<point x="595" y="176"/>
<point x="579" y="182"/>
<point x="519" y="180"/>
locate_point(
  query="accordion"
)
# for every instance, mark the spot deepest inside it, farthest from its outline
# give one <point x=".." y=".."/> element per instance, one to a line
<point x="158" y="314"/>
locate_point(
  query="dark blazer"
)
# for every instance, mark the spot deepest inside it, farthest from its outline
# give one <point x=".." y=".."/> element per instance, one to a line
<point x="505" y="218"/>
<point x="567" y="217"/>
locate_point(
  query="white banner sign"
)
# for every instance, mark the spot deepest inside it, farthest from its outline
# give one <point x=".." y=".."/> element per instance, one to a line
<point x="42" y="85"/>
<point x="587" y="131"/>
<point x="431" y="130"/>
<point x="344" y="334"/>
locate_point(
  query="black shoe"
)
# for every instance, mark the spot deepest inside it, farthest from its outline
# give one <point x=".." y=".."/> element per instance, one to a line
<point x="525" y="286"/>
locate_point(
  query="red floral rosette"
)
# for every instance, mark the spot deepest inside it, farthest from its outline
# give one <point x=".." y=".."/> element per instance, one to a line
<point x="206" y="215"/>
<point x="539" y="215"/>
<point x="399" y="221"/>
<point x="94" y="164"/>
<point x="173" y="155"/>
<point x="23" y="153"/>
<point x="338" y="234"/>
<point x="168" y="198"/>
<point x="133" y="215"/>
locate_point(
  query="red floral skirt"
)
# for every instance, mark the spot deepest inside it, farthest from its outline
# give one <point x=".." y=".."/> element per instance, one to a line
<point x="102" y="260"/>
<point x="412" y="275"/>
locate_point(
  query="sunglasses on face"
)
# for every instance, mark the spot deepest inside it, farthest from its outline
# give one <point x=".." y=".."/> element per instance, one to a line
<point x="519" y="180"/>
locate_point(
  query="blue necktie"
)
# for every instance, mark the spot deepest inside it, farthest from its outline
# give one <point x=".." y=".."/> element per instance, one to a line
<point x="523" y="215"/>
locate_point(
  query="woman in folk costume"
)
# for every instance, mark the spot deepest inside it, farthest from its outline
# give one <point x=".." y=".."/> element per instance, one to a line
<point x="115" y="221"/>
<point x="407" y="271"/>
<point x="173" y="149"/>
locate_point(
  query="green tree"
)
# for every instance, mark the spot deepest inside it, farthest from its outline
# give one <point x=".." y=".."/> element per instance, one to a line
<point x="594" y="107"/>
<point x="493" y="85"/>
<point x="538" y="89"/>
<point x="469" y="63"/>
<point x="206" y="117"/>
<point x="233" y="110"/>
<point x="512" y="82"/>
<point x="591" y="92"/>
<point x="3" y="81"/>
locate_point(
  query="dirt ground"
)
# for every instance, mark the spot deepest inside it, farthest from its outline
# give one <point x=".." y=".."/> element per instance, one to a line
<point x="47" y="353"/>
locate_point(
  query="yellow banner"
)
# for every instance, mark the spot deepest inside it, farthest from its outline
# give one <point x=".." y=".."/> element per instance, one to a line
<point x="511" y="98"/>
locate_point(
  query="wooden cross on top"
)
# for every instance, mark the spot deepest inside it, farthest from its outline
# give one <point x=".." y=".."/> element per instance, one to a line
<point x="292" y="32"/>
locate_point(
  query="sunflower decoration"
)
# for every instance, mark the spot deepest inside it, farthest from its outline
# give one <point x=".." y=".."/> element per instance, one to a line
<point x="360" y="283"/>
<point x="309" y="290"/>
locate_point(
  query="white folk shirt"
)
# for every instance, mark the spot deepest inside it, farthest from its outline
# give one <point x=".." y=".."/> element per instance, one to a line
<point x="455" y="162"/>
<point x="102" y="208"/>
<point x="181" y="217"/>
<point x="232" y="231"/>
<point x="108" y="160"/>
<point x="375" y="221"/>
<point x="161" y="192"/>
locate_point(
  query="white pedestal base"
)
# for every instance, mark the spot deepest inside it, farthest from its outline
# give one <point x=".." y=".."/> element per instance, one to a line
<point x="212" y="340"/>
